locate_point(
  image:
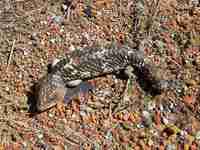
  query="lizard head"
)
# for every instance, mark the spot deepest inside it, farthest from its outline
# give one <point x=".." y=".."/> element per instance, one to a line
<point x="50" y="90"/>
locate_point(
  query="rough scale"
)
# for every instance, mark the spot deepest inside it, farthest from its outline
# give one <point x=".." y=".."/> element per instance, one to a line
<point x="67" y="75"/>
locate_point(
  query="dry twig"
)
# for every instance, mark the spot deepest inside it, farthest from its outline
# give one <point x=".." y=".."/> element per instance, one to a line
<point x="11" y="53"/>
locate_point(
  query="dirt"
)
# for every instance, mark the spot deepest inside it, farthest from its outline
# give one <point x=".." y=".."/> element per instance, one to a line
<point x="33" y="33"/>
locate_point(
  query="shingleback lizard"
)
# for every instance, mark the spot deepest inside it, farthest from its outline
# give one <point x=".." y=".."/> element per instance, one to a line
<point x="67" y="74"/>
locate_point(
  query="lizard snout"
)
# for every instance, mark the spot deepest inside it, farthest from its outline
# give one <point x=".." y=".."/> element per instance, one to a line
<point x="51" y="90"/>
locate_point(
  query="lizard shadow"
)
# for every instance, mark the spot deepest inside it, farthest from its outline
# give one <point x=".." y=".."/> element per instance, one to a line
<point x="32" y="100"/>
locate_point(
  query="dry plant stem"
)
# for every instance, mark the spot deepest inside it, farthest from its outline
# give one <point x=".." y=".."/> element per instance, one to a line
<point x="11" y="54"/>
<point x="131" y="78"/>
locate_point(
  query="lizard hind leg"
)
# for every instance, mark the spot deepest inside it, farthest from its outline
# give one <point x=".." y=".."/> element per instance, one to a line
<point x="130" y="82"/>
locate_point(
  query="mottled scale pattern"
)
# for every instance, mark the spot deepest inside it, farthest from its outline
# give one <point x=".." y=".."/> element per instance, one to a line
<point x="88" y="63"/>
<point x="100" y="61"/>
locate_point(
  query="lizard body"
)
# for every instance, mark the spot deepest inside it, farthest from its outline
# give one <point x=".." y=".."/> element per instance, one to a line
<point x="67" y="74"/>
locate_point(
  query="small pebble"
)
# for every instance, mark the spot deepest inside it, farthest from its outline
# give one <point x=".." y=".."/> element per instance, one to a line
<point x="64" y="7"/>
<point x="147" y="118"/>
<point x="140" y="126"/>
<point x="161" y="108"/>
<point x="165" y="120"/>
<point x="197" y="61"/>
<point x="57" y="19"/>
<point x="194" y="2"/>
<point x="62" y="30"/>
<point x="29" y="43"/>
<point x="109" y="135"/>
<point x="20" y="76"/>
<point x="82" y="114"/>
<point x="33" y="36"/>
<point x="72" y="48"/>
<point x="197" y="135"/>
<point x="151" y="105"/>
<point x="103" y="93"/>
<point x="150" y="142"/>
<point x="50" y="115"/>
<point x="43" y="22"/>
<point x="24" y="144"/>
<point x="53" y="41"/>
<point x="7" y="89"/>
<point x="40" y="135"/>
<point x="170" y="147"/>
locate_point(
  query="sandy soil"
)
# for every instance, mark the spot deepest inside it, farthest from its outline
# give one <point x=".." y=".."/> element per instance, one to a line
<point x="34" y="32"/>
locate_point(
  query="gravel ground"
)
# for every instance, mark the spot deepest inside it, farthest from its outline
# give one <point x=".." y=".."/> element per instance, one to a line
<point x="34" y="32"/>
